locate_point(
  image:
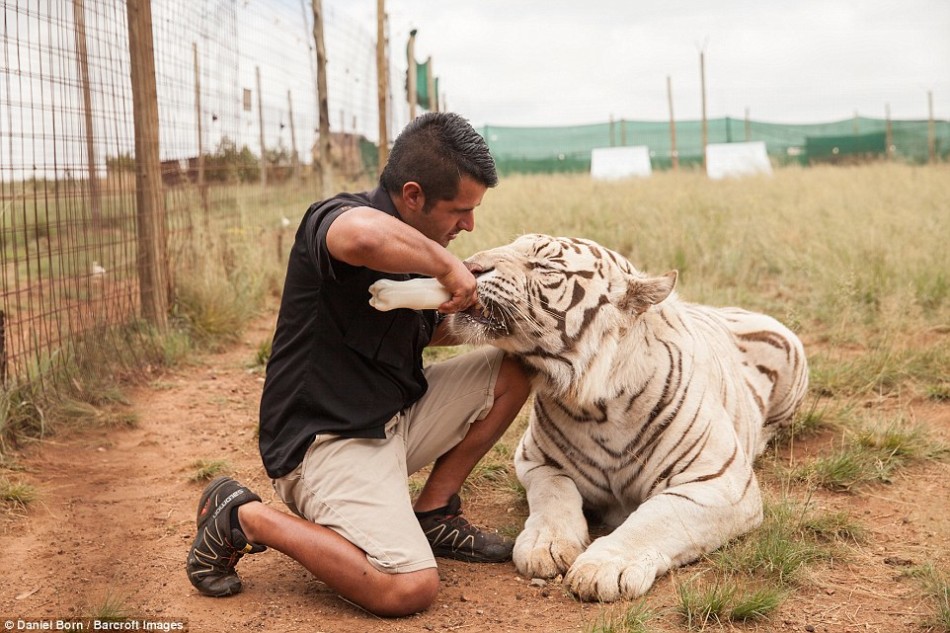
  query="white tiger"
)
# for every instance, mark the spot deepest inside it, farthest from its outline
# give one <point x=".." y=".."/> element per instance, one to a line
<point x="648" y="411"/>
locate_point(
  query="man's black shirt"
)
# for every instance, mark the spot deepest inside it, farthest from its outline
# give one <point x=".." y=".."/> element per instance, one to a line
<point x="337" y="365"/>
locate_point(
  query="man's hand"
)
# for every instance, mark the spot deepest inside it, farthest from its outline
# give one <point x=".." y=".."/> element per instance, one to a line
<point x="460" y="282"/>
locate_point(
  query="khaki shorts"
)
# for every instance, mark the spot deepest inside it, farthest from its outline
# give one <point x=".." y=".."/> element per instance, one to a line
<point x="358" y="488"/>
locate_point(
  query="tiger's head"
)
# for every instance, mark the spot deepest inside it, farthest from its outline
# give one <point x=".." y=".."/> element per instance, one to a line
<point x="561" y="304"/>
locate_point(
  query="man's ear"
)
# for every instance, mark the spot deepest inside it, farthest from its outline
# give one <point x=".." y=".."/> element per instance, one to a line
<point x="649" y="291"/>
<point x="413" y="196"/>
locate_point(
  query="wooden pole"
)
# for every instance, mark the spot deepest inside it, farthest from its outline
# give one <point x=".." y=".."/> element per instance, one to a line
<point x="324" y="183"/>
<point x="95" y="195"/>
<point x="430" y="77"/>
<point x="674" y="155"/>
<point x="702" y="78"/>
<point x="612" y="134"/>
<point x="202" y="185"/>
<point x="260" y="126"/>
<point x="294" y="156"/>
<point x="152" y="255"/>
<point x="748" y="126"/>
<point x="3" y="349"/>
<point x="314" y="151"/>
<point x="344" y="148"/>
<point x="413" y="77"/>
<point x="382" y="73"/>
<point x="355" y="150"/>
<point x="888" y="133"/>
<point x="931" y="128"/>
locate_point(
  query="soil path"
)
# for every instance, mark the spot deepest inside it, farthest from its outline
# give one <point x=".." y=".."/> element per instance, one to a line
<point x="117" y="508"/>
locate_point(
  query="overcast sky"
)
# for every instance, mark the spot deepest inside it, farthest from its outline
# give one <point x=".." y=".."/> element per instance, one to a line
<point x="562" y="62"/>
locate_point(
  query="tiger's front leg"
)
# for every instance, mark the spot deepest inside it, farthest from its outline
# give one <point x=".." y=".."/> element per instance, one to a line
<point x="555" y="532"/>
<point x="670" y="529"/>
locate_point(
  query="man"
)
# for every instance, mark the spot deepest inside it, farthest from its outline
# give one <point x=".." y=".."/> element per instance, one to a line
<point x="348" y="411"/>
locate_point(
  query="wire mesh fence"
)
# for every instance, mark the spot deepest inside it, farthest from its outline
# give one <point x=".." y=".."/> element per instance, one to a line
<point x="237" y="142"/>
<point x="235" y="89"/>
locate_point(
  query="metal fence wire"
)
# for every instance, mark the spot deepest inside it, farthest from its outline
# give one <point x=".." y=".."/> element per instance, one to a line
<point x="235" y="83"/>
<point x="236" y="141"/>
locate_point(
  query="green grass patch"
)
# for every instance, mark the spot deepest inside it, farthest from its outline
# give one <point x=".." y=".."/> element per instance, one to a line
<point x="22" y="415"/>
<point x="262" y="355"/>
<point x="208" y="469"/>
<point x="871" y="454"/>
<point x="14" y="494"/>
<point x="814" y="417"/>
<point x="845" y="470"/>
<point x="115" y="416"/>
<point x="750" y="578"/>
<point x="939" y="392"/>
<point x="111" y="607"/>
<point x="779" y="549"/>
<point x="936" y="585"/>
<point x="704" y="602"/>
<point x="834" y="527"/>
<point x="634" y="618"/>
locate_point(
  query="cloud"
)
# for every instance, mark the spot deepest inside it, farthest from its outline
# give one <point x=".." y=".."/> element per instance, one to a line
<point x="550" y="62"/>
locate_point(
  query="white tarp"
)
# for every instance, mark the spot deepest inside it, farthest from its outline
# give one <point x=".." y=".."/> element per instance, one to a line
<point x="725" y="160"/>
<point x="611" y="163"/>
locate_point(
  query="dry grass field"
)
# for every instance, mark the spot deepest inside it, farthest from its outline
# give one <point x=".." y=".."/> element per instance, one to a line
<point x="98" y="514"/>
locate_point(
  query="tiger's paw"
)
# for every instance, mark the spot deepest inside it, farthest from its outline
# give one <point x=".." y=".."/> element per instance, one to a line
<point x="545" y="553"/>
<point x="599" y="578"/>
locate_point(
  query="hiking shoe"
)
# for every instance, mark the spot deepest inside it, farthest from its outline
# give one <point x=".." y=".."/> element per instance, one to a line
<point x="452" y="536"/>
<point x="220" y="542"/>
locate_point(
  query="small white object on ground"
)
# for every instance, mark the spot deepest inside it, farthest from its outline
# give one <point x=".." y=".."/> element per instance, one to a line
<point x="416" y="294"/>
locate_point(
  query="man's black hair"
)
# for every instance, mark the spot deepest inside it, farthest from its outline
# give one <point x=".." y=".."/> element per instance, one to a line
<point x="436" y="150"/>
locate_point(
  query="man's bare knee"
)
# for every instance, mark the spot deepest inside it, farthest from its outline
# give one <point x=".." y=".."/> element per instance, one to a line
<point x="407" y="593"/>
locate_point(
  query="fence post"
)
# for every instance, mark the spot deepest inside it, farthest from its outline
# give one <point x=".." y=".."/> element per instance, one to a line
<point x="412" y="77"/>
<point x="3" y="349"/>
<point x="324" y="182"/>
<point x="382" y="73"/>
<point x="931" y="128"/>
<point x="702" y="84"/>
<point x="294" y="157"/>
<point x="260" y="124"/>
<point x="95" y="195"/>
<point x="202" y="185"/>
<point x="674" y="155"/>
<point x="888" y="133"/>
<point x="152" y="256"/>
<point x="430" y="81"/>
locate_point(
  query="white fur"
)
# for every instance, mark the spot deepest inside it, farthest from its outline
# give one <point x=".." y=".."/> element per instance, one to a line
<point x="670" y="470"/>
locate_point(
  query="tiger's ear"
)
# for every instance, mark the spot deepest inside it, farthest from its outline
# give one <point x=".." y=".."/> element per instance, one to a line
<point x="645" y="292"/>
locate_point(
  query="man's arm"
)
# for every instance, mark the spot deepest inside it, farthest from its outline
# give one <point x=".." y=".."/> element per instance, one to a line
<point x="366" y="237"/>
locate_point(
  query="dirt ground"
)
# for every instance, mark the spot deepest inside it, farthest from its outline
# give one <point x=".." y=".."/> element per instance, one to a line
<point x="116" y="511"/>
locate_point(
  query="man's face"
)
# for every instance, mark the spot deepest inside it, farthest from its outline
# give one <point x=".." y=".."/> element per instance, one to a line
<point x="447" y="218"/>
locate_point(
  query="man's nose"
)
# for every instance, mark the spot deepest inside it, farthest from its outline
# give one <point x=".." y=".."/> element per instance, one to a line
<point x="467" y="223"/>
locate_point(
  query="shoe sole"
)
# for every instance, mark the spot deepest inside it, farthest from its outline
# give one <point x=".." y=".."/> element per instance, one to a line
<point x="471" y="558"/>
